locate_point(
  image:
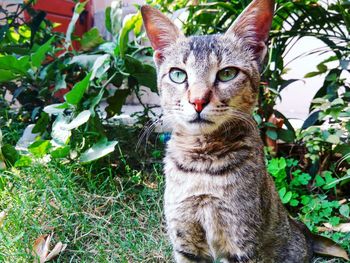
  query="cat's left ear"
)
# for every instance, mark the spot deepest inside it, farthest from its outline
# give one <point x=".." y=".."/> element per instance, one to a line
<point x="161" y="31"/>
<point x="253" y="25"/>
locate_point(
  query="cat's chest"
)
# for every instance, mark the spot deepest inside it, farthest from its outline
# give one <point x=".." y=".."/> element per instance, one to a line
<point x="183" y="185"/>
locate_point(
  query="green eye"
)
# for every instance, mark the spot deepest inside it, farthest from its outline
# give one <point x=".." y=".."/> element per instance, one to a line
<point x="227" y="74"/>
<point x="177" y="75"/>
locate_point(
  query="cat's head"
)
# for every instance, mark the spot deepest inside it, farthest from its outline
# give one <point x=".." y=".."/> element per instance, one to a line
<point x="206" y="82"/>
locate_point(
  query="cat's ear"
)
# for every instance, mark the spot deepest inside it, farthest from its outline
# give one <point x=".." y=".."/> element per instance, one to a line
<point x="159" y="28"/>
<point x="253" y="25"/>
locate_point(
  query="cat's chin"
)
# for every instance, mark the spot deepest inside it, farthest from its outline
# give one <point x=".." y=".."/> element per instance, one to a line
<point x="197" y="127"/>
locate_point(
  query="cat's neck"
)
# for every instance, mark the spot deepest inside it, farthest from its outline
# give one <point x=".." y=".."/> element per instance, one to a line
<point x="222" y="140"/>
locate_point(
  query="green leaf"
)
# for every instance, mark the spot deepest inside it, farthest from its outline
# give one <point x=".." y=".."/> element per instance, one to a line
<point x="79" y="120"/>
<point x="95" y="101"/>
<point x="286" y="135"/>
<point x="56" y="109"/>
<point x="78" y="9"/>
<point x="322" y="68"/>
<point x="98" y="150"/>
<point x="60" y="135"/>
<point x="91" y="39"/>
<point x="10" y="154"/>
<point x="60" y="82"/>
<point x="123" y="37"/>
<point x="337" y="102"/>
<point x="145" y="74"/>
<point x="41" y="125"/>
<point x="312" y="74"/>
<point x="118" y="80"/>
<point x="344" y="210"/>
<point x="282" y="192"/>
<point x="116" y="102"/>
<point x="61" y="152"/>
<point x="15" y="65"/>
<point x="294" y="202"/>
<point x="86" y="61"/>
<point x="38" y="57"/>
<point x="24" y="161"/>
<point x="100" y="66"/>
<point x="39" y="148"/>
<point x="334" y="221"/>
<point x="3" y="30"/>
<point x="76" y="94"/>
<point x="272" y="134"/>
<point x="7" y="75"/>
<point x="319" y="181"/>
<point x="108" y="22"/>
<point x="284" y="195"/>
<point x="305" y="199"/>
<point x="330" y="180"/>
<point x="334" y="139"/>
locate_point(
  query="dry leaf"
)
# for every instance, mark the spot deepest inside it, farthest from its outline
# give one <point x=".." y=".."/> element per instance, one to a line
<point x="57" y="250"/>
<point x="344" y="228"/>
<point x="42" y="246"/>
<point x="343" y="201"/>
<point x="3" y="215"/>
<point x="327" y="247"/>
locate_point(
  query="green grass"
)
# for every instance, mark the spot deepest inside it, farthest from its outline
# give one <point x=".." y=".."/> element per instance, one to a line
<point x="102" y="218"/>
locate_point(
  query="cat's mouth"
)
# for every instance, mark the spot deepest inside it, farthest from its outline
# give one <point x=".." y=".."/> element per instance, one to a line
<point x="200" y="120"/>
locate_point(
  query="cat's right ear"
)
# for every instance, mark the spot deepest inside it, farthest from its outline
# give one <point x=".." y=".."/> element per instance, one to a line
<point x="253" y="25"/>
<point x="160" y="30"/>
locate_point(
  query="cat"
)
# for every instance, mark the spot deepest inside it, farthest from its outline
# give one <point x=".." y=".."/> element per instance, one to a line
<point x="219" y="203"/>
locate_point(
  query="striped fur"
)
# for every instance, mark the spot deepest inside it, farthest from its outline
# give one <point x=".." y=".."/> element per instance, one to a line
<point x="220" y="203"/>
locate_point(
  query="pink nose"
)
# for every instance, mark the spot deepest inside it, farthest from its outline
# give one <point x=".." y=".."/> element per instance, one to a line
<point x="199" y="104"/>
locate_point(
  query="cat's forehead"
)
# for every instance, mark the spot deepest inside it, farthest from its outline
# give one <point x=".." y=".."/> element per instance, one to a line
<point x="202" y="50"/>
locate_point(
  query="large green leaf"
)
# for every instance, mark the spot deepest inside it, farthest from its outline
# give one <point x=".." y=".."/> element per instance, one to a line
<point x="145" y="74"/>
<point x="61" y="152"/>
<point x="42" y="123"/>
<point x="108" y="22"/>
<point x="38" y="57"/>
<point x="98" y="150"/>
<point x="16" y="66"/>
<point x="60" y="135"/>
<point x="100" y="66"/>
<point x="76" y="94"/>
<point x="7" y="75"/>
<point x="116" y="102"/>
<point x="91" y="39"/>
<point x="123" y="37"/>
<point x="39" y="148"/>
<point x="10" y="154"/>
<point x="79" y="120"/>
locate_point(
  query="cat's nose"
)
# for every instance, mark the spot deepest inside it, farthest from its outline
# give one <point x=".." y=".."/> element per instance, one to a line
<point x="199" y="104"/>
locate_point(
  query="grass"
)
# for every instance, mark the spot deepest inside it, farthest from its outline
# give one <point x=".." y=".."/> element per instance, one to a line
<point x="101" y="218"/>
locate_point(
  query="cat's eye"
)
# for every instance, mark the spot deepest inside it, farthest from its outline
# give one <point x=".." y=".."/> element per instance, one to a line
<point x="227" y="74"/>
<point x="177" y="75"/>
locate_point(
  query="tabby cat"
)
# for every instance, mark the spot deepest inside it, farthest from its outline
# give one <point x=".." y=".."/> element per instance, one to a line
<point x="220" y="203"/>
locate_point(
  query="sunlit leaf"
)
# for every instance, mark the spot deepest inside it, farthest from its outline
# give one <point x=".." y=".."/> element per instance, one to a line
<point x="98" y="150"/>
<point x="39" y="148"/>
<point x="39" y="55"/>
<point x="76" y="94"/>
<point x="91" y="39"/>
